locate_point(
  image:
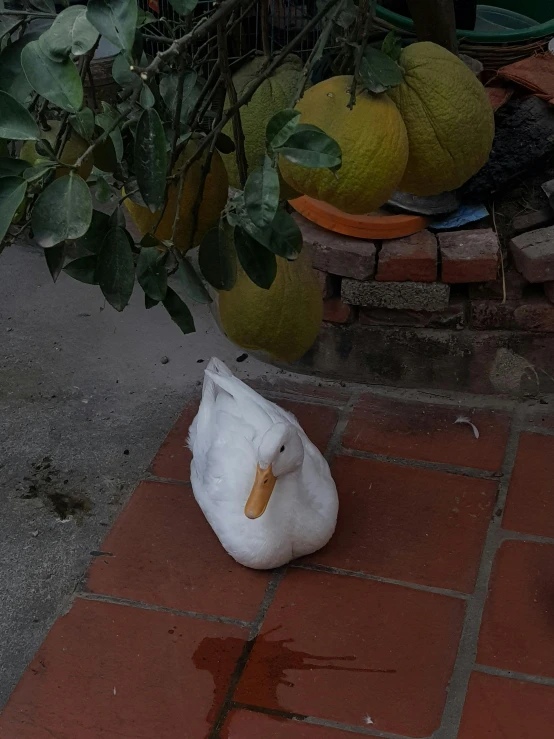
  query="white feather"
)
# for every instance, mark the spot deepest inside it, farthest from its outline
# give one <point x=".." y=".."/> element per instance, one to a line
<point x="225" y="438"/>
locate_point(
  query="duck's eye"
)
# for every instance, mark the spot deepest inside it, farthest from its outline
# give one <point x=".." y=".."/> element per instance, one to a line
<point x="281" y="450"/>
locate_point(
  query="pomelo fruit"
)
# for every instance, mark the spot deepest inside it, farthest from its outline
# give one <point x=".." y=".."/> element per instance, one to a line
<point x="214" y="198"/>
<point x="374" y="145"/>
<point x="448" y="117"/>
<point x="283" y="321"/>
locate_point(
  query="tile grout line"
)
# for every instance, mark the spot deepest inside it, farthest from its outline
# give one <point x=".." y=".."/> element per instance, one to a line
<point x="301" y="718"/>
<point x="240" y="666"/>
<point x="334" y="446"/>
<point x="377" y="578"/>
<point x="142" y="606"/>
<point x="510" y="535"/>
<point x="422" y="464"/>
<point x="511" y="675"/>
<point x="467" y="649"/>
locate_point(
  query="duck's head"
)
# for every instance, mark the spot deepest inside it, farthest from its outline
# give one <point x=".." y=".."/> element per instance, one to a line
<point x="280" y="452"/>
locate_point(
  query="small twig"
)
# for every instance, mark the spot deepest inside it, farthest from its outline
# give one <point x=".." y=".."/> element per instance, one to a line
<point x="363" y="26"/>
<point x="264" y="23"/>
<point x="238" y="134"/>
<point x="501" y="256"/>
<point x="177" y="114"/>
<point x="208" y="90"/>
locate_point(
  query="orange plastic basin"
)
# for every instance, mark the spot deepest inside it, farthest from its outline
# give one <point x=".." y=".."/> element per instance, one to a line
<point x="374" y="226"/>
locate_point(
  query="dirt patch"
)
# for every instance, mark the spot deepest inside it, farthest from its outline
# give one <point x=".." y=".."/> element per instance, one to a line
<point x="47" y="484"/>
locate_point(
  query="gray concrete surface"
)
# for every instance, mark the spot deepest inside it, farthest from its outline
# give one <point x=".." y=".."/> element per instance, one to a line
<point x="85" y="402"/>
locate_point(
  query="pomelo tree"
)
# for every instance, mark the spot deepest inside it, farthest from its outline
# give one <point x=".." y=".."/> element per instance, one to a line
<point x="51" y="134"/>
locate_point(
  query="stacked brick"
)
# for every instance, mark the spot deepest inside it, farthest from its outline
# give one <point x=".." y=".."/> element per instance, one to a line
<point x="447" y="280"/>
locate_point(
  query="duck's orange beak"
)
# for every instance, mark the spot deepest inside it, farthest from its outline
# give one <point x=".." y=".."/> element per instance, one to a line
<point x="261" y="492"/>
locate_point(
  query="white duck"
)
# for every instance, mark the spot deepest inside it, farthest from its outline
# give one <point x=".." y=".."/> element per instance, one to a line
<point x="265" y="489"/>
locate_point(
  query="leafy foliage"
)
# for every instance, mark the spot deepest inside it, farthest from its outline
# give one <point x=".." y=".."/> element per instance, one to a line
<point x="136" y="145"/>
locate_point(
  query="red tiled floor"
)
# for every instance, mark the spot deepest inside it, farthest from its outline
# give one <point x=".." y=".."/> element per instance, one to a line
<point x="517" y="632"/>
<point x="342" y="648"/>
<point x="427" y="432"/>
<point x="174" y="456"/>
<point x="166" y="554"/>
<point x="318" y="421"/>
<point x="530" y="504"/>
<point x="250" y="725"/>
<point x="409" y="524"/>
<point x="498" y="708"/>
<point x="108" y="671"/>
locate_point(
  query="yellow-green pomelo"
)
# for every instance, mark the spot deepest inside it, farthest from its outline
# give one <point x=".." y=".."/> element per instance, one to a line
<point x="214" y="198"/>
<point x="72" y="150"/>
<point x="283" y="321"/>
<point x="448" y="116"/>
<point x="274" y="94"/>
<point x="374" y="145"/>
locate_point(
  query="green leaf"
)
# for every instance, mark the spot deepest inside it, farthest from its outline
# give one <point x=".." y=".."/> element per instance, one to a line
<point x="146" y="99"/>
<point x="32" y="174"/>
<point x="83" y="123"/>
<point x="117" y="219"/>
<point x="151" y="273"/>
<point x="259" y="264"/>
<point x="116" y="268"/>
<point x="45" y="6"/>
<point x="280" y="127"/>
<point x="105" y="156"/>
<point x="121" y="71"/>
<point x="149" y="303"/>
<point x="347" y="16"/>
<point x="183" y="7"/>
<point x="285" y="237"/>
<point x="178" y="311"/>
<point x="225" y="144"/>
<point x="83" y="269"/>
<point x="378" y="72"/>
<point x="261" y="194"/>
<point x="55" y="258"/>
<point x="12" y="192"/>
<point x="71" y="33"/>
<point x="93" y="238"/>
<point x="392" y="46"/>
<point x="114" y="19"/>
<point x="103" y="190"/>
<point x="63" y="211"/>
<point x="186" y="278"/>
<point x="216" y="259"/>
<point x="144" y="18"/>
<point x="10" y="166"/>
<point x="105" y="120"/>
<point x="12" y="77"/>
<point x="58" y="82"/>
<point x="16" y="123"/>
<point x="169" y="84"/>
<point x="310" y="147"/>
<point x="151" y="159"/>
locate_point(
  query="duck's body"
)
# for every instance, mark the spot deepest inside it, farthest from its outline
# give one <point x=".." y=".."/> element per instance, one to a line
<point x="242" y="446"/>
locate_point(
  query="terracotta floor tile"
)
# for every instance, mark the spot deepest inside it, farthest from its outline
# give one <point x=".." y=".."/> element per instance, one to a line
<point x="498" y="708"/>
<point x="108" y="671"/>
<point x="251" y="725"/>
<point x="342" y="648"/>
<point x="427" y="432"/>
<point x="174" y="456"/>
<point x="409" y="524"/>
<point x="165" y="553"/>
<point x="517" y="632"/>
<point x="530" y="505"/>
<point x="318" y="421"/>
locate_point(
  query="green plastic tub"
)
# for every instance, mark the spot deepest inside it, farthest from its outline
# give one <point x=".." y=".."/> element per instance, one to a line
<point x="498" y="22"/>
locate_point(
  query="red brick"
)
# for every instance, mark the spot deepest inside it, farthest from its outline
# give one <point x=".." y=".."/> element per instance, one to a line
<point x="166" y="554"/>
<point x="326" y="283"/>
<point x="428" y="432"/>
<point x="318" y="421"/>
<point x="494" y="290"/>
<point x="419" y="526"/>
<point x="112" y="671"/>
<point x="452" y="317"/>
<point x="534" y="314"/>
<point x="498" y="708"/>
<point x="533" y="254"/>
<point x="342" y="648"/>
<point x="253" y="725"/>
<point x="338" y="254"/>
<point x="335" y="311"/>
<point x="517" y="629"/>
<point x="530" y="505"/>
<point x="413" y="258"/>
<point x="549" y="291"/>
<point x="174" y="457"/>
<point x="469" y="256"/>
